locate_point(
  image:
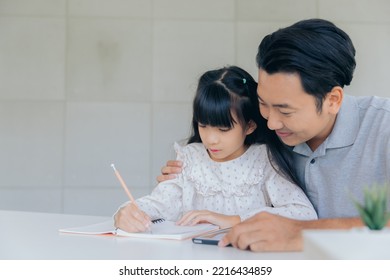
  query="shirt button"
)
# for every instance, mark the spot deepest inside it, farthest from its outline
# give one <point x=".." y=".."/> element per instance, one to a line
<point x="313" y="161"/>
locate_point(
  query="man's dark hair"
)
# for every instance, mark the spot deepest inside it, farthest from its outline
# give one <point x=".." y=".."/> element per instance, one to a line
<point x="321" y="53"/>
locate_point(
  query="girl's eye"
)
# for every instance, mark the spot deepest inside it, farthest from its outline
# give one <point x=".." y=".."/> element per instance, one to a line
<point x="201" y="125"/>
<point x="224" y="129"/>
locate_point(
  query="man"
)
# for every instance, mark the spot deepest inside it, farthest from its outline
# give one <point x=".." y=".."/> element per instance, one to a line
<point x="340" y="143"/>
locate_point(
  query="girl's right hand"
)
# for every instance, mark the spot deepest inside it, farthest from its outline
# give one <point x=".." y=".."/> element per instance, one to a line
<point x="131" y="219"/>
<point x="169" y="171"/>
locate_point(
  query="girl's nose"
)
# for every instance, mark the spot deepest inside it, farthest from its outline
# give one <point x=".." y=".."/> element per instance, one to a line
<point x="212" y="138"/>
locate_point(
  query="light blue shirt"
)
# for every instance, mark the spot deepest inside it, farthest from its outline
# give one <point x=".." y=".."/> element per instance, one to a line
<point x="356" y="154"/>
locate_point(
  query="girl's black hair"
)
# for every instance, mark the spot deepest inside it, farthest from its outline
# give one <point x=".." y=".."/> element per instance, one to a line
<point x="230" y="90"/>
<point x="220" y="93"/>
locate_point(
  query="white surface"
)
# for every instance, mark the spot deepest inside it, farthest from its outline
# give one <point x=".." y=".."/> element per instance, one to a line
<point x="347" y="244"/>
<point x="29" y="235"/>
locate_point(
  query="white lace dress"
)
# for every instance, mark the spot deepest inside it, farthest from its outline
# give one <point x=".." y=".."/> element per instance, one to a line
<point x="243" y="186"/>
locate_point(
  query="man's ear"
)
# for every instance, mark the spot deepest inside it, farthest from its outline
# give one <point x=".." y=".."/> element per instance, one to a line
<point x="250" y="127"/>
<point x="334" y="99"/>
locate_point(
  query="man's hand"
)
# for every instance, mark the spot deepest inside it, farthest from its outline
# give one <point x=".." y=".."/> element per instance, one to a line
<point x="266" y="232"/>
<point x="169" y="171"/>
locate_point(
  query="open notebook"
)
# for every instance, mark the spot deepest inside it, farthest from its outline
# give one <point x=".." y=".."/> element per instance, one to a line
<point x="160" y="229"/>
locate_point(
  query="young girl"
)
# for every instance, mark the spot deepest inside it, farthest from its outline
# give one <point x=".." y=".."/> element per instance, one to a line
<point x="227" y="177"/>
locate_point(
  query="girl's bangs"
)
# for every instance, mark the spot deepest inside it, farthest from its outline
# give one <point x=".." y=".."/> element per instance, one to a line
<point x="214" y="108"/>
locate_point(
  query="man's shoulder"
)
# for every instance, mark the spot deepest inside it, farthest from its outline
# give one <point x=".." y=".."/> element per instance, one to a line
<point x="373" y="103"/>
<point x="368" y="108"/>
<point x="374" y="114"/>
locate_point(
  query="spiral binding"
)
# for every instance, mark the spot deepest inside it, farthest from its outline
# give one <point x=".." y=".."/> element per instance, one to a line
<point x="157" y="221"/>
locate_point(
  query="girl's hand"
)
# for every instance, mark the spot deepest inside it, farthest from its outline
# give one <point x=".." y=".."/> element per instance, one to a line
<point x="169" y="171"/>
<point x="131" y="219"/>
<point x="205" y="216"/>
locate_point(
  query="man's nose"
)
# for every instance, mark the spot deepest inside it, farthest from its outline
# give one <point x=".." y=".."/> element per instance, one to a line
<point x="274" y="122"/>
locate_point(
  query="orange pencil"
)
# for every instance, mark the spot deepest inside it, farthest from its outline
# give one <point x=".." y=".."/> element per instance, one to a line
<point x="123" y="184"/>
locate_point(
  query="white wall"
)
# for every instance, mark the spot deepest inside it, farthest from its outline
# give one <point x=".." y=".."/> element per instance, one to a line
<point x="84" y="83"/>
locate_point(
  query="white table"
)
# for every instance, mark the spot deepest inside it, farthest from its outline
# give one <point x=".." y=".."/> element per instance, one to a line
<point x="35" y="236"/>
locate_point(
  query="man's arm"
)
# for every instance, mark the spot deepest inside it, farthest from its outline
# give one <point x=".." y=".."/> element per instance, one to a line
<point x="269" y="232"/>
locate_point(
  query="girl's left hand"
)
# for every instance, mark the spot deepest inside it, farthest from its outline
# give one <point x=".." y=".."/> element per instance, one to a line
<point x="204" y="216"/>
